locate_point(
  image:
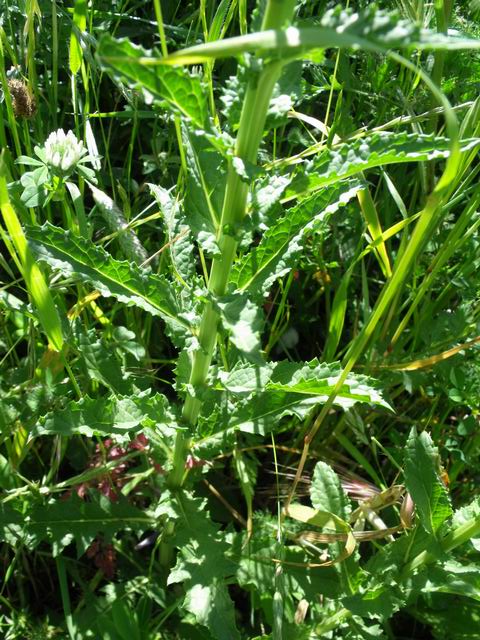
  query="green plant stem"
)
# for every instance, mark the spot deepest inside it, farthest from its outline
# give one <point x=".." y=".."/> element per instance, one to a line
<point x="54" y="83"/>
<point x="454" y="539"/>
<point x="443" y="9"/>
<point x="252" y="122"/>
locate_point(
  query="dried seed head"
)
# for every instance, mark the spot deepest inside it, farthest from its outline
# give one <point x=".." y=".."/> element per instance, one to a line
<point x="24" y="105"/>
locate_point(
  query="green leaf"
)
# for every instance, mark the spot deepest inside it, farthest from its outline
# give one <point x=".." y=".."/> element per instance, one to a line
<point x="257" y="568"/>
<point x="267" y="193"/>
<point x="132" y="65"/>
<point x="450" y="618"/>
<point x="377" y="149"/>
<point x="423" y="482"/>
<point x="8" y="479"/>
<point x="337" y="316"/>
<point x="279" y="247"/>
<point x="202" y="566"/>
<point x="98" y="361"/>
<point x="60" y="521"/>
<point x="128" y="240"/>
<point x="452" y="577"/>
<point x="326" y="492"/>
<point x="359" y="629"/>
<point x="370" y="29"/>
<point x="389" y="562"/>
<point x="107" y="416"/>
<point x="256" y="571"/>
<point x="77" y="199"/>
<point x="178" y="231"/>
<point x="467" y="513"/>
<point x="245" y="469"/>
<point x="75" y="256"/>
<point x="126" y="342"/>
<point x="244" y="321"/>
<point x="205" y="188"/>
<point x="11" y="303"/>
<point x="105" y="617"/>
<point x="35" y="192"/>
<point x="11" y="523"/>
<point x="268" y="393"/>
<point x="375" y="601"/>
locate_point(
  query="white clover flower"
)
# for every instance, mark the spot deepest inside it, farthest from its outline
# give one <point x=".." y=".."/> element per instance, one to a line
<point x="64" y="151"/>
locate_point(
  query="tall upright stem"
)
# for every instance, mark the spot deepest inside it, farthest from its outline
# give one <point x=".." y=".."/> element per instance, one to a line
<point x="252" y="122"/>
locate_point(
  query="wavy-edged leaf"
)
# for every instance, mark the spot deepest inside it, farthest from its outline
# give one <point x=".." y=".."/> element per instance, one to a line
<point x="452" y="577"/>
<point x="202" y="565"/>
<point x="206" y="180"/>
<point x="423" y="481"/>
<point x="180" y="242"/>
<point x="268" y="393"/>
<point x="378" y="601"/>
<point x="131" y="65"/>
<point x="370" y="29"/>
<point x="107" y="416"/>
<point x="326" y="491"/>
<point x="267" y="193"/>
<point x="256" y="271"/>
<point x="75" y="256"/>
<point x="99" y="362"/>
<point x="128" y="240"/>
<point x="377" y="149"/>
<point x="61" y="521"/>
<point x="468" y="513"/>
<point x="244" y="321"/>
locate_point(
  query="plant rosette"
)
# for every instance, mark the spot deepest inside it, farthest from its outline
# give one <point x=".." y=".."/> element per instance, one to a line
<point x="61" y="155"/>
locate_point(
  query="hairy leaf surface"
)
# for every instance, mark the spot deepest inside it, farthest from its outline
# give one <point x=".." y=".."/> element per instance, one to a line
<point x="128" y="240"/>
<point x="75" y="256"/>
<point x="256" y="271"/>
<point x="374" y="150"/>
<point x="205" y="188"/>
<point x="326" y="492"/>
<point x="244" y="321"/>
<point x="180" y="242"/>
<point x="423" y="481"/>
<point x="281" y="389"/>
<point x="202" y="566"/>
<point x="107" y="416"/>
<point x="60" y="521"/>
<point x="131" y="65"/>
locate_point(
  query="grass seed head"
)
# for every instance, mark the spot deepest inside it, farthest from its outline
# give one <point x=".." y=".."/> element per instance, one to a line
<point x="24" y="104"/>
